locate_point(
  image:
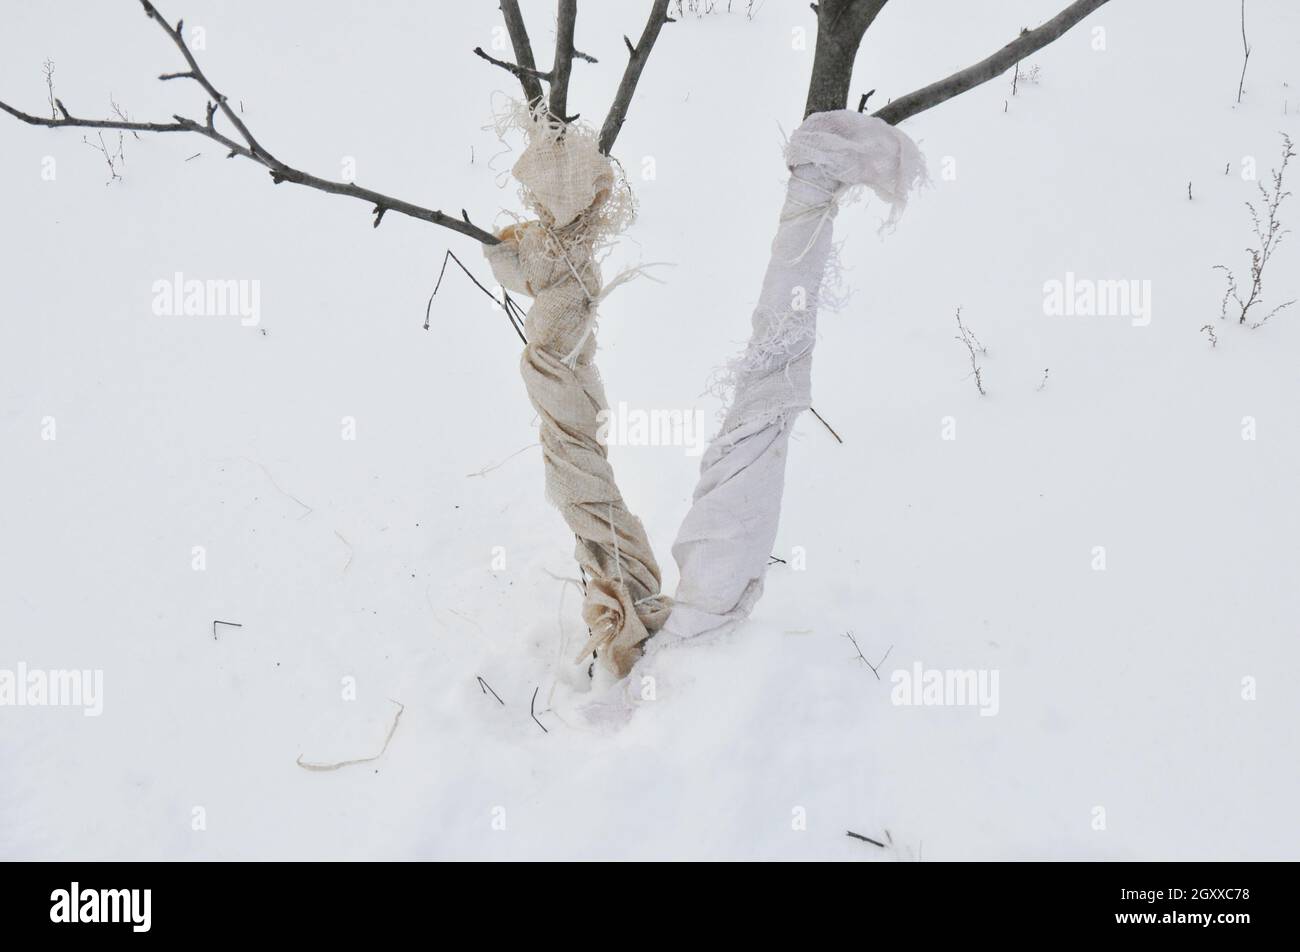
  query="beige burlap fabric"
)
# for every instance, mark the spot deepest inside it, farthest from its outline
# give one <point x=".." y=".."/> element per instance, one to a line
<point x="579" y="203"/>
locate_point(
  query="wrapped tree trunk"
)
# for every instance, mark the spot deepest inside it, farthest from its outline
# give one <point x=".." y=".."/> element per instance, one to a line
<point x="724" y="543"/>
<point x="580" y="203"/>
<point x="726" y="538"/>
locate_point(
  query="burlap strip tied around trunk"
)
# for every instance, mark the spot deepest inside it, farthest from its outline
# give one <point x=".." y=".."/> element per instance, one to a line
<point x="580" y="202"/>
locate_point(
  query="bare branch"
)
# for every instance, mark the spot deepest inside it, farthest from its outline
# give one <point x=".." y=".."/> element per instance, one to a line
<point x="522" y="72"/>
<point x="250" y="148"/>
<point x="95" y="123"/>
<point x="523" y="51"/>
<point x="637" y="56"/>
<point x="564" y="25"/>
<point x="1028" y="42"/>
<point x="197" y="74"/>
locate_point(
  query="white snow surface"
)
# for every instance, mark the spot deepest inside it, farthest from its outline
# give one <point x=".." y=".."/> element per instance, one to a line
<point x="373" y="559"/>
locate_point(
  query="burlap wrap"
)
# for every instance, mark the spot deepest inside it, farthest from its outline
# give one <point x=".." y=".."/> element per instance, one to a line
<point x="571" y="187"/>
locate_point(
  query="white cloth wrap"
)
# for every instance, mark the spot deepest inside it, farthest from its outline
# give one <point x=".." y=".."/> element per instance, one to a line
<point x="724" y="544"/>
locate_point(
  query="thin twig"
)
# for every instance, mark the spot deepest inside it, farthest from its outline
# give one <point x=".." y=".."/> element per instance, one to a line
<point x="865" y="839"/>
<point x="814" y="412"/>
<point x="875" y="668"/>
<point x="532" y="709"/>
<point x="520" y="71"/>
<point x="973" y="346"/>
<point x="231" y="624"/>
<point x="485" y="688"/>
<point x="49" y="87"/>
<point x="513" y="312"/>
<point x="114" y="159"/>
<point x="1241" y="86"/>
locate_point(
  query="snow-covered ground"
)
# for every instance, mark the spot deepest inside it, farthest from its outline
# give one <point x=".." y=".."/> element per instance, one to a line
<point x="421" y="555"/>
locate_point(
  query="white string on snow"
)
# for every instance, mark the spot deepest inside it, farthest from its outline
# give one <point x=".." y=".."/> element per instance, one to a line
<point x="307" y="765"/>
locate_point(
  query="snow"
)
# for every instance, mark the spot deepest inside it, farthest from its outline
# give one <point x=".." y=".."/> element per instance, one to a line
<point x="372" y="559"/>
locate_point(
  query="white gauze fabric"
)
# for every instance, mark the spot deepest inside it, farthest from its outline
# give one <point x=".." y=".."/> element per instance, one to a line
<point x="724" y="543"/>
<point x="580" y="202"/>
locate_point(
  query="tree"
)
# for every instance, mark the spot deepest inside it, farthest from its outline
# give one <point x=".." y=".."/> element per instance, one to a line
<point x="724" y="561"/>
<point x="551" y="257"/>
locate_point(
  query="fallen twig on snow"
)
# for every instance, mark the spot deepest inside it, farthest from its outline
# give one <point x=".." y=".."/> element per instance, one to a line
<point x="532" y="709"/>
<point x="875" y="668"/>
<point x="814" y="412"/>
<point x="485" y="688"/>
<point x="215" y="623"/>
<point x="865" y="839"/>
